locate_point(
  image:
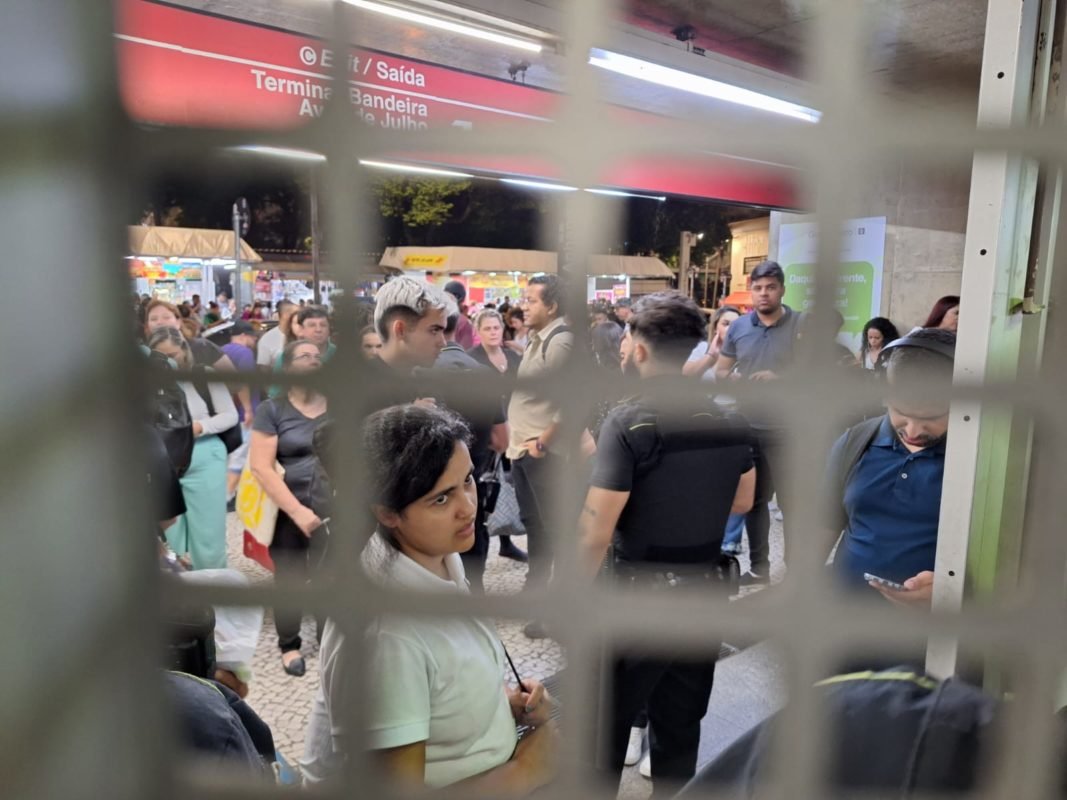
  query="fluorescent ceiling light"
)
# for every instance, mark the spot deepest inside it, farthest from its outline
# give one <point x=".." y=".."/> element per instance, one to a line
<point x="280" y="152"/>
<point x="548" y="187"/>
<point x="617" y="193"/>
<point x="443" y="173"/>
<point x="441" y="23"/>
<point x="697" y="84"/>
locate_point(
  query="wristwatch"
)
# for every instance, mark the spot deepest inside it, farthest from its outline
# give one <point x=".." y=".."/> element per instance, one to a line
<point x="540" y="447"/>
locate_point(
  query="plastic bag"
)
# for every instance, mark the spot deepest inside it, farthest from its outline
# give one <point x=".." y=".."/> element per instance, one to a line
<point x="237" y="628"/>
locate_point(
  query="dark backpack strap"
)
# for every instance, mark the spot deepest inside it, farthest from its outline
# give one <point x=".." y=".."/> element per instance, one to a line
<point x="839" y="471"/>
<point x="202" y="389"/>
<point x="550" y="337"/>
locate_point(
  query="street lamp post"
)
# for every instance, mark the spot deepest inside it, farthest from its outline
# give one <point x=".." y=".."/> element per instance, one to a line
<point x="317" y="297"/>
<point x="241" y="221"/>
<point x="688" y="240"/>
<point x="236" y="259"/>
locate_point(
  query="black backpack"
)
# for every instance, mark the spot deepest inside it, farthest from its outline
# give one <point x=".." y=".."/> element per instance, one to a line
<point x="169" y="414"/>
<point x="897" y="732"/>
<point x="838" y="472"/>
<point x="550" y="337"/>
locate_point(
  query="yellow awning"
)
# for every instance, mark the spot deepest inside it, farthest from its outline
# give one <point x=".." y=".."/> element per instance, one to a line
<point x="468" y="259"/>
<point x="155" y="241"/>
<point x="491" y="259"/>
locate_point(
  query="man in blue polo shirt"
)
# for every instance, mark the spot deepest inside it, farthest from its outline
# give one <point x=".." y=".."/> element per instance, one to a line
<point x="759" y="347"/>
<point x="890" y="501"/>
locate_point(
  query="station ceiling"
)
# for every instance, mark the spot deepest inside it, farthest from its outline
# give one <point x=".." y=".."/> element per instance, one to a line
<point x="922" y="52"/>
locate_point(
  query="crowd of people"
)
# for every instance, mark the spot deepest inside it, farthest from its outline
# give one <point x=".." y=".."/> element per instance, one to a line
<point x="680" y="474"/>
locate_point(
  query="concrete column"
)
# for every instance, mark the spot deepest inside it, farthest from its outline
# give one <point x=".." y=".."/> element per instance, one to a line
<point x="926" y="219"/>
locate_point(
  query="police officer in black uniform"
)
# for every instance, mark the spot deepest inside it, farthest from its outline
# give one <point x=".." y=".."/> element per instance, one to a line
<point x="670" y="469"/>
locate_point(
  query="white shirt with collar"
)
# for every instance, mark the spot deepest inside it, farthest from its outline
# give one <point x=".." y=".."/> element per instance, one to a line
<point x="437" y="680"/>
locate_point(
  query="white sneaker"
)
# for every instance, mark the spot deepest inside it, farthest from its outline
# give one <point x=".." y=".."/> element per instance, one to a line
<point x="646" y="766"/>
<point x="635" y="747"/>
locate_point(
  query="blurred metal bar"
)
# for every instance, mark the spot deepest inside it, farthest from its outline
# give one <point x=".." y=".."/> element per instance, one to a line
<point x="998" y="227"/>
<point x="80" y="686"/>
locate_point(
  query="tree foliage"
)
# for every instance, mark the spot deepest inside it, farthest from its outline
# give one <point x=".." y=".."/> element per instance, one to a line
<point x="465" y="214"/>
<point x="419" y="203"/>
<point x="416" y="211"/>
<point x="279" y="206"/>
<point x="657" y="228"/>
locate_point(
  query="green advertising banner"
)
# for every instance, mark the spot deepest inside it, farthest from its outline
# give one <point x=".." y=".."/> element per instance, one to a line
<point x="859" y="277"/>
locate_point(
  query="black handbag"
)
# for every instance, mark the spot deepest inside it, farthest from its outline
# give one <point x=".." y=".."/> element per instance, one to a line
<point x="490" y="481"/>
<point x="169" y="415"/>
<point x="231" y="437"/>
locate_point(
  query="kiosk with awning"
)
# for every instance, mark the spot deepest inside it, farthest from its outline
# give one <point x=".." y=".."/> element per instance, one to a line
<point x="613" y="277"/>
<point x="494" y="273"/>
<point x="490" y="273"/>
<point x="173" y="264"/>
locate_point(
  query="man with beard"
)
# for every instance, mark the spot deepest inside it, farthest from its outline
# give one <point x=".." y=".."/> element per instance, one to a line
<point x="886" y="473"/>
<point x="759" y="347"/>
<point x="656" y="452"/>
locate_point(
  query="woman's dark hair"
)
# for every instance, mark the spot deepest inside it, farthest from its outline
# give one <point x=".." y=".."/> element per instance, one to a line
<point x="289" y="351"/>
<point x="366" y="330"/>
<point x="883" y="326"/>
<point x="606" y="338"/>
<point x="512" y="313"/>
<point x="941" y="307"/>
<point x="669" y="323"/>
<point x="407" y="448"/>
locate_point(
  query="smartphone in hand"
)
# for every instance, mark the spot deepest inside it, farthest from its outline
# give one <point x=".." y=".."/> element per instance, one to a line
<point x="888" y="584"/>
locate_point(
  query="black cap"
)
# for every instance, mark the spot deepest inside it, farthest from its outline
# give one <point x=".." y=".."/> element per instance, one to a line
<point x="624" y="302"/>
<point x="241" y="327"/>
<point x="457" y="290"/>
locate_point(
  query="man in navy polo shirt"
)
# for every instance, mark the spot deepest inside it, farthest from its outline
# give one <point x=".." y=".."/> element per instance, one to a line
<point x="891" y="499"/>
<point x="759" y="347"/>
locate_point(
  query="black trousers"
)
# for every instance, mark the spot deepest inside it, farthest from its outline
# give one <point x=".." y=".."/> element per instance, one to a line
<point x="675" y="693"/>
<point x="475" y="558"/>
<point x="533" y="478"/>
<point x="770" y="457"/>
<point x="296" y="558"/>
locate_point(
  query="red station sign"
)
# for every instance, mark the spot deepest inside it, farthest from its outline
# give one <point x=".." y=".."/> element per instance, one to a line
<point x="190" y="68"/>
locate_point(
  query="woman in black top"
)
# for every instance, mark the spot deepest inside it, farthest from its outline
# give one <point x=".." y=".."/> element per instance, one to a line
<point x="284" y="431"/>
<point x="492" y="351"/>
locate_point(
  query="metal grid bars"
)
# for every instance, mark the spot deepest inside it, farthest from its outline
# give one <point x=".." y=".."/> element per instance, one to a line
<point x="82" y="708"/>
